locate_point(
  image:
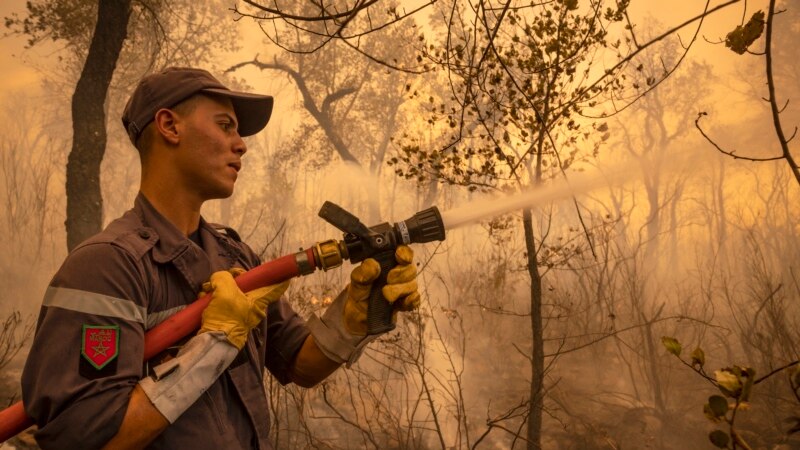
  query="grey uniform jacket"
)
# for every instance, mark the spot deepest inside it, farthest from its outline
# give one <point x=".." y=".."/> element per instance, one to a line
<point x="120" y="283"/>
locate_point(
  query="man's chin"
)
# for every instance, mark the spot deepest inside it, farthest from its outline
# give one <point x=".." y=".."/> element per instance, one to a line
<point x="220" y="194"/>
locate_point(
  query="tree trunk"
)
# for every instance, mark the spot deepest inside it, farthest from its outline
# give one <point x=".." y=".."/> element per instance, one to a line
<point x="537" y="358"/>
<point x="84" y="200"/>
<point x="719" y="208"/>
<point x="653" y="221"/>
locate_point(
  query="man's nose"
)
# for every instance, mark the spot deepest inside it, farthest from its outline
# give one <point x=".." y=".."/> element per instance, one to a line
<point x="239" y="147"/>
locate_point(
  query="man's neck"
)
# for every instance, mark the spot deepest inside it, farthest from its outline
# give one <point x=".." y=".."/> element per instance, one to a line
<point x="183" y="211"/>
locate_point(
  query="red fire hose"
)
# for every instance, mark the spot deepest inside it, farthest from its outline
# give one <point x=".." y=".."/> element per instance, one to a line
<point x="13" y="419"/>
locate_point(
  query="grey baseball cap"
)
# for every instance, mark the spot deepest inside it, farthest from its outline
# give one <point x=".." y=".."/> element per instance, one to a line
<point x="175" y="84"/>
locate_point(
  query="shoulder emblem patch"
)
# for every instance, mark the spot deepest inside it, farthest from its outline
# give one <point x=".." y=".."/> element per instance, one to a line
<point x="100" y="344"/>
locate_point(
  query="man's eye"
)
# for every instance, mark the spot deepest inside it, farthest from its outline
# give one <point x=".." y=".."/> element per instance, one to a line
<point x="227" y="126"/>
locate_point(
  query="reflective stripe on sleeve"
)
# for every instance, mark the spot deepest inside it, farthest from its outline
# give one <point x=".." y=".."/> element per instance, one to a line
<point x="94" y="303"/>
<point x="156" y="318"/>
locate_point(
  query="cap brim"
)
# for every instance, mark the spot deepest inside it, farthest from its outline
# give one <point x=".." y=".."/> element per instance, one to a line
<point x="252" y="110"/>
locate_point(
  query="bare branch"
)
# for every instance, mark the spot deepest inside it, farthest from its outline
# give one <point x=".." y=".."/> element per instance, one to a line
<point x="278" y="13"/>
<point x="613" y="333"/>
<point x="773" y="100"/>
<point x="729" y="153"/>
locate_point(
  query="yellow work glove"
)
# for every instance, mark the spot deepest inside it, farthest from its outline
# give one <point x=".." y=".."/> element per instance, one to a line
<point x="401" y="289"/>
<point x="234" y="312"/>
<point x="206" y="288"/>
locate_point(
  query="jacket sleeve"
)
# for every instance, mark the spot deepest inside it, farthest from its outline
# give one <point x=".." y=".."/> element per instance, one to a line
<point x="286" y="332"/>
<point x="75" y="385"/>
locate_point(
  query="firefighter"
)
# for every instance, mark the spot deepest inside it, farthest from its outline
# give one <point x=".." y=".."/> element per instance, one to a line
<point x="84" y="382"/>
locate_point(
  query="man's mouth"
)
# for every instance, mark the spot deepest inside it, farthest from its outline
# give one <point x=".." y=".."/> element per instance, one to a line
<point x="236" y="165"/>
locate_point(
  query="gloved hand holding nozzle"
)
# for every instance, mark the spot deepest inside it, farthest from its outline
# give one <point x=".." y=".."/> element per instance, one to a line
<point x="401" y="289"/>
<point x="341" y="333"/>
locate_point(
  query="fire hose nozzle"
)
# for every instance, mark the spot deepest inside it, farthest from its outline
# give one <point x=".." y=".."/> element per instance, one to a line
<point x="424" y="226"/>
<point x="379" y="242"/>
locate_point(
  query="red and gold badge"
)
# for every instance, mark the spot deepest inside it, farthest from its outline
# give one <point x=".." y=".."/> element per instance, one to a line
<point x="100" y="344"/>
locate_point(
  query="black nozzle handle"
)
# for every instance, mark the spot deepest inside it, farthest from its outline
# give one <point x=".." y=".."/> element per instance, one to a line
<point x="344" y="220"/>
<point x="379" y="310"/>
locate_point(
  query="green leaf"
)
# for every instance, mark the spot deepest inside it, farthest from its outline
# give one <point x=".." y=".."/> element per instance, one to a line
<point x="718" y="405"/>
<point x="729" y="383"/>
<point x="743" y="36"/>
<point x="698" y="357"/>
<point x="719" y="438"/>
<point x="672" y="345"/>
<point x="710" y="414"/>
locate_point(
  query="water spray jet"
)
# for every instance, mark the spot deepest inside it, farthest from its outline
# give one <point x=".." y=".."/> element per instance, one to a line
<point x="496" y="206"/>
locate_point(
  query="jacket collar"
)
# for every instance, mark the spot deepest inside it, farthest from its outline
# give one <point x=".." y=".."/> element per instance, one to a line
<point x="172" y="246"/>
<point x="171" y="242"/>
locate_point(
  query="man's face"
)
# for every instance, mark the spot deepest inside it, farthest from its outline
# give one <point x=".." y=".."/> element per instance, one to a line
<point x="210" y="152"/>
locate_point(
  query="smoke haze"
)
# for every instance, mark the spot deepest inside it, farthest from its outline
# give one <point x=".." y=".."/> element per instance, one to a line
<point x="656" y="234"/>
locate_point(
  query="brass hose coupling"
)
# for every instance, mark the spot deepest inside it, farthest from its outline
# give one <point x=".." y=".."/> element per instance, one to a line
<point x="330" y="254"/>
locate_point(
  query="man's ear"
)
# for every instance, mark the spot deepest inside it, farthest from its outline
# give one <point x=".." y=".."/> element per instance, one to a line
<point x="165" y="124"/>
